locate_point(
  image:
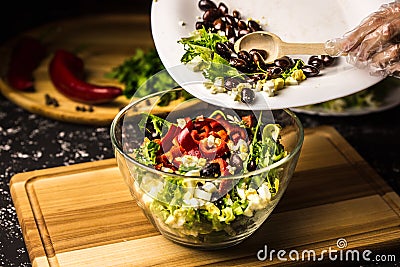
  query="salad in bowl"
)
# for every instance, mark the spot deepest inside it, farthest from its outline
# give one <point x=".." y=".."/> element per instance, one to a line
<point x="205" y="176"/>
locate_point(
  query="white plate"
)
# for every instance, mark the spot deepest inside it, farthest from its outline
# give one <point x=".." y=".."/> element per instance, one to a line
<point x="390" y="86"/>
<point x="293" y="21"/>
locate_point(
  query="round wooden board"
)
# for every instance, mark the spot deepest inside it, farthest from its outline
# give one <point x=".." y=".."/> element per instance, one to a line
<point x="103" y="42"/>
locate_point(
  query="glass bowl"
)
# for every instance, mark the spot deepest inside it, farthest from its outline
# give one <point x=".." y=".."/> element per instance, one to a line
<point x="205" y="220"/>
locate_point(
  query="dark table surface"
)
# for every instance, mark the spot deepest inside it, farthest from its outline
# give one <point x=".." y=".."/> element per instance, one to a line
<point x="30" y="142"/>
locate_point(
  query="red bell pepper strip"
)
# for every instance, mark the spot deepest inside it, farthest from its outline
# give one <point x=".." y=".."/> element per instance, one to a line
<point x="186" y="141"/>
<point x="214" y="151"/>
<point x="25" y="57"/>
<point x="166" y="141"/>
<point x="196" y="137"/>
<point x="66" y="72"/>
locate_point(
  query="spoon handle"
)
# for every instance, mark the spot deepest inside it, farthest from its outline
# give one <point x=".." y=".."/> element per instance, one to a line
<point x="303" y="48"/>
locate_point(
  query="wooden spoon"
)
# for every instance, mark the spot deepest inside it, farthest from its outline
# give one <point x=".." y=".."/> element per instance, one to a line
<point x="275" y="47"/>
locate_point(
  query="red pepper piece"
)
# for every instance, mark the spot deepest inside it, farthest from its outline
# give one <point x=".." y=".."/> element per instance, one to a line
<point x="166" y="141"/>
<point x="195" y="135"/>
<point x="66" y="72"/>
<point x="249" y="120"/>
<point x="215" y="125"/>
<point x="214" y="151"/>
<point x="189" y="124"/>
<point x="186" y="141"/>
<point x="25" y="58"/>
<point x="172" y="154"/>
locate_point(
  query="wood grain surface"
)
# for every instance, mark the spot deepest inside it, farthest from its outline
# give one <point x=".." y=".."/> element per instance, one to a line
<point x="102" y="41"/>
<point x="84" y="215"/>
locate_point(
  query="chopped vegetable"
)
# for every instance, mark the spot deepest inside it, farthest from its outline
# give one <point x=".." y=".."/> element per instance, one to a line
<point x="204" y="149"/>
<point x="210" y="49"/>
<point x="201" y="44"/>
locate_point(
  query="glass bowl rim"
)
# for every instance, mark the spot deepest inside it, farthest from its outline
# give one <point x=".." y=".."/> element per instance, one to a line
<point x="280" y="162"/>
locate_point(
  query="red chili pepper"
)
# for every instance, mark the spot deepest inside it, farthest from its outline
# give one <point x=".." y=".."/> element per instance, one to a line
<point x="25" y="58"/>
<point x="66" y="72"/>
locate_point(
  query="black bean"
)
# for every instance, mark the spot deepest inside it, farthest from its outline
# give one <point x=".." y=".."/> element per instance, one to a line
<point x="231" y="20"/>
<point x="223" y="9"/>
<point x="206" y="5"/>
<point x="237" y="162"/>
<point x="258" y="60"/>
<point x="310" y="71"/>
<point x="230" y="32"/>
<point x="231" y="82"/>
<point x="219" y="25"/>
<point x="247" y="95"/>
<point x="283" y="62"/>
<point x="243" y="54"/>
<point x="242" y="25"/>
<point x="262" y="52"/>
<point x="236" y="14"/>
<point x="327" y="60"/>
<point x="211" y="15"/>
<point x="316" y="62"/>
<point x="253" y="25"/>
<point x="223" y="50"/>
<point x="239" y="64"/>
<point x="274" y="72"/>
<point x="211" y="170"/>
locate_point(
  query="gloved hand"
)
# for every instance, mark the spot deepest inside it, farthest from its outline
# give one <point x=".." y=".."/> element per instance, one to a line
<point x="374" y="44"/>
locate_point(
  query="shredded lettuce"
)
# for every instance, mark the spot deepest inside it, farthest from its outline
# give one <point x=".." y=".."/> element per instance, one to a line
<point x="201" y="43"/>
<point x="159" y="124"/>
<point x="147" y="152"/>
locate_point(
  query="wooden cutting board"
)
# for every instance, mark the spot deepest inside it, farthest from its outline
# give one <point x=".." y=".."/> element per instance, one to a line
<point x="102" y="41"/>
<point x="83" y="214"/>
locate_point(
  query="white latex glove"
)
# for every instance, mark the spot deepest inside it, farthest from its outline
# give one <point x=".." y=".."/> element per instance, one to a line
<point x="374" y="44"/>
